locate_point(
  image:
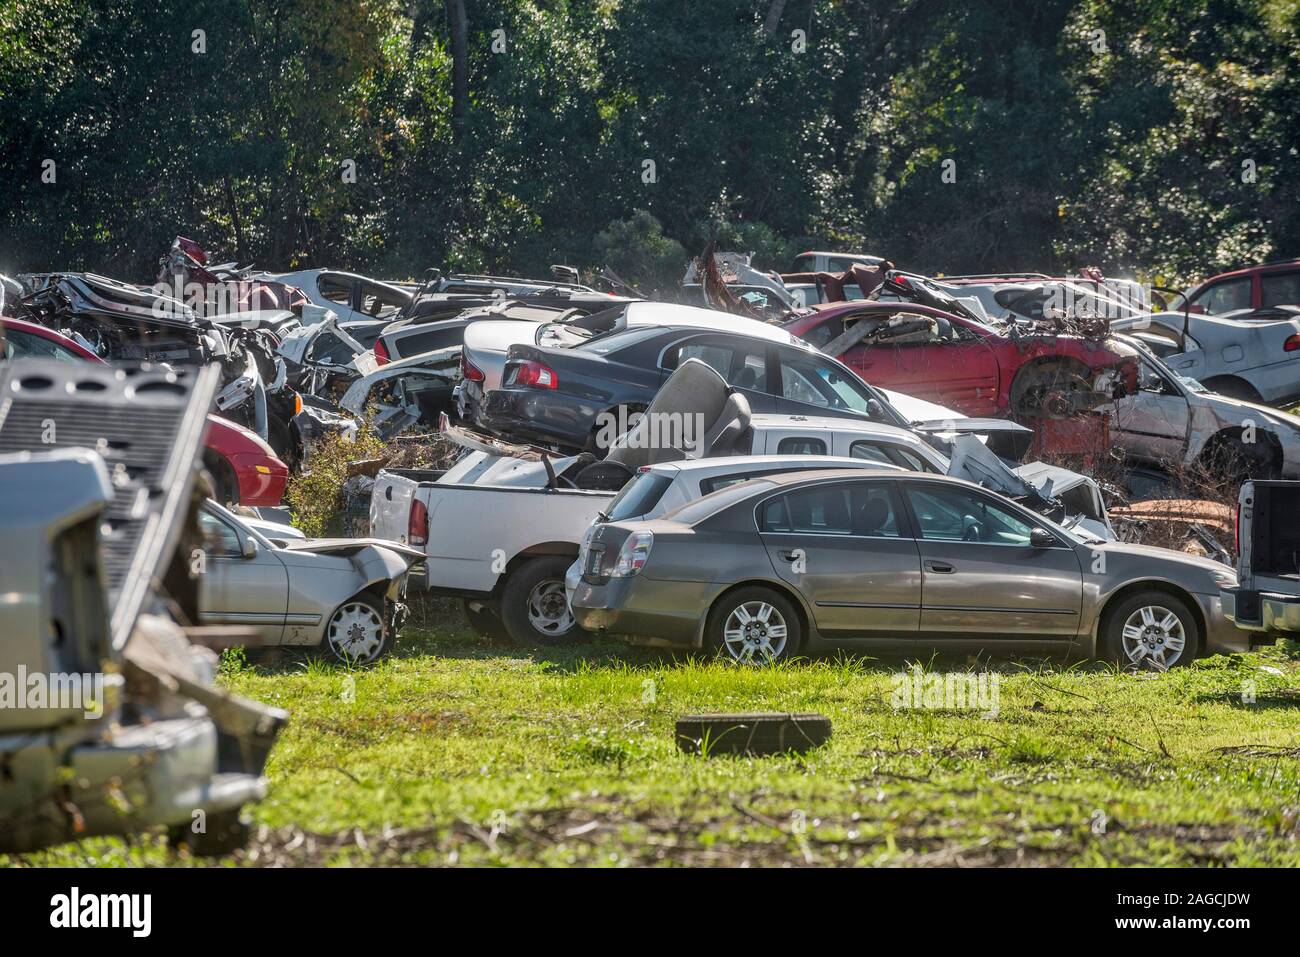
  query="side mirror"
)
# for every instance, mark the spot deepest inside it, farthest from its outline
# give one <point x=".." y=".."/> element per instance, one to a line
<point x="875" y="409"/>
<point x="1041" y="538"/>
<point x="249" y="548"/>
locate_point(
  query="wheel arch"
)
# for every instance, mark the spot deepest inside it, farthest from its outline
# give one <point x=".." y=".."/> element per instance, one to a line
<point x="806" y="621"/>
<point x="1152" y="584"/>
<point x="551" y="549"/>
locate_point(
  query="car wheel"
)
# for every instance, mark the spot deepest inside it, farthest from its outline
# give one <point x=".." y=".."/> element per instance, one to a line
<point x="1151" y="631"/>
<point x="355" y="633"/>
<point x="225" y="486"/>
<point x="534" y="609"/>
<point x="754" y="626"/>
<point x="483" y="620"/>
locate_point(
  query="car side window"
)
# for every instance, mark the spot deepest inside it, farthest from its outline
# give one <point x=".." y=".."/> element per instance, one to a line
<point x="956" y="515"/>
<point x="814" y="381"/>
<point x="741" y="367"/>
<point x="800" y="445"/>
<point x="858" y="508"/>
<point x="824" y="332"/>
<point x="1226" y="296"/>
<point x="888" y="454"/>
<point x="24" y="344"/>
<point x="1280" y="289"/>
<point x="335" y="289"/>
<point x="219" y="539"/>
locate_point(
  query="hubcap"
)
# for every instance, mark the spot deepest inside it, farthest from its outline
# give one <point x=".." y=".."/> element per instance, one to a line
<point x="1153" y="638"/>
<point x="754" y="633"/>
<point x="548" y="610"/>
<point x="355" y="633"/>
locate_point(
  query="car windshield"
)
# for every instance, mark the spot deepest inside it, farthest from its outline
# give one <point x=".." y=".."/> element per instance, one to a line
<point x="610" y="342"/>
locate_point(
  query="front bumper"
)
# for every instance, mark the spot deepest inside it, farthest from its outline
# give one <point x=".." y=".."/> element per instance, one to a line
<point x="1221" y="637"/>
<point x="1261" y="613"/>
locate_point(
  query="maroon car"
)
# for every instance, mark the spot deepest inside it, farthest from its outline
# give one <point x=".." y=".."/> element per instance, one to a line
<point x="1261" y="288"/>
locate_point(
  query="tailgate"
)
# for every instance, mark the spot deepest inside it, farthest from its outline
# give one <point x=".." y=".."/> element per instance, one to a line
<point x="390" y="503"/>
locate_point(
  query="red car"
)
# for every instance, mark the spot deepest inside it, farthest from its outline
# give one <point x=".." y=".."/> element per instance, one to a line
<point x="244" y="468"/>
<point x="1261" y="288"/>
<point x="941" y="357"/>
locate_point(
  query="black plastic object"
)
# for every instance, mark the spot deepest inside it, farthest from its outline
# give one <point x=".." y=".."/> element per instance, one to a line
<point x="755" y="733"/>
<point x="147" y="423"/>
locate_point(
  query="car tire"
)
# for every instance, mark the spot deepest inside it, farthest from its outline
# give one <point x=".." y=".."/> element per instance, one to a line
<point x="534" y="609"/>
<point x="1137" y="632"/>
<point x="356" y="633"/>
<point x="729" y="634"/>
<point x="225" y="832"/>
<point x="758" y="733"/>
<point x="225" y="486"/>
<point x="484" y="621"/>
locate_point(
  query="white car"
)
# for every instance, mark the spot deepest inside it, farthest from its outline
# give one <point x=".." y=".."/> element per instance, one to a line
<point x="1173" y="421"/>
<point x="1258" y="361"/>
<point x="350" y="296"/>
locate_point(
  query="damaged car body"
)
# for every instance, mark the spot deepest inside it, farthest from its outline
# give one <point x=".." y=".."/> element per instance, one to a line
<point x="102" y="522"/>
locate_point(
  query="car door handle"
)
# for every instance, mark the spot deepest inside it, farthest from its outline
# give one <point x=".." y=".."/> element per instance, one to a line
<point x="943" y="568"/>
<point x="787" y="555"/>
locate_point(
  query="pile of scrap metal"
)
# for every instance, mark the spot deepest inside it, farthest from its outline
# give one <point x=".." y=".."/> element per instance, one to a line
<point x="109" y="719"/>
<point x="728" y="282"/>
<point x="120" y="322"/>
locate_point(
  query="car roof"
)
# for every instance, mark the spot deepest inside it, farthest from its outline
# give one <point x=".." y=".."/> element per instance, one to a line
<point x="726" y="463"/>
<point x="776" y="420"/>
<point x="670" y="314"/>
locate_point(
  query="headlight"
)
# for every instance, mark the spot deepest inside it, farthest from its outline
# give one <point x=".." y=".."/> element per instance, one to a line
<point x="1225" y="579"/>
<point x="633" y="555"/>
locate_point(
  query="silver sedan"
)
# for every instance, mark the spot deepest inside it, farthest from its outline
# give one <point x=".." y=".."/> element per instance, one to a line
<point x="893" y="561"/>
<point x="343" y="594"/>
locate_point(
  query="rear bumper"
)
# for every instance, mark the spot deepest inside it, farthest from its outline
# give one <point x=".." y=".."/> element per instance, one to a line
<point x="1261" y="613"/>
<point x="644" y="611"/>
<point x="537" y="416"/>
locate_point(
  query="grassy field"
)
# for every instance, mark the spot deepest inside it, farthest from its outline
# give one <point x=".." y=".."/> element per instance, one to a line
<point x="460" y="750"/>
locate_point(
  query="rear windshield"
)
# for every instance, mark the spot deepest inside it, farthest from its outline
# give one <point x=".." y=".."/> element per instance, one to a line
<point x="620" y="339"/>
<point x="638" y="496"/>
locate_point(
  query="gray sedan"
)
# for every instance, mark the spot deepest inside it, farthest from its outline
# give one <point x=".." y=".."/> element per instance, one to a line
<point x="343" y="594"/>
<point x="892" y="561"/>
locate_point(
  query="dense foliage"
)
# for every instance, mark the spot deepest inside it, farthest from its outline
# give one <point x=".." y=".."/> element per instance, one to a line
<point x="1157" y="136"/>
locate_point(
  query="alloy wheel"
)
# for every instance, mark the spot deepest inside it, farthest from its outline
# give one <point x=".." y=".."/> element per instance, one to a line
<point x="1153" y="637"/>
<point x="755" y="633"/>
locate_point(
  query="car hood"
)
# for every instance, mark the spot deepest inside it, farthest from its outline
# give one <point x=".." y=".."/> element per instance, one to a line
<point x="1213" y="571"/>
<point x="346" y="546"/>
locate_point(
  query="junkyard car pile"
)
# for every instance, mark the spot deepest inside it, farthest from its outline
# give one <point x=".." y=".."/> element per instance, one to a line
<point x="778" y="464"/>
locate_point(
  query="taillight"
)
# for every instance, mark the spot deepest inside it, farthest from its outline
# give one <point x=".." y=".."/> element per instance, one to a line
<point x="534" y="375"/>
<point x="381" y="354"/>
<point x="417" y="526"/>
<point x="297" y="403"/>
<point x="470" y="371"/>
<point x="633" y="555"/>
<point x="1292" y="343"/>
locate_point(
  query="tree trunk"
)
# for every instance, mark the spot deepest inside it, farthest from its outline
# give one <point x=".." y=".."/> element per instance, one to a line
<point x="459" y="63"/>
<point x="774" y="11"/>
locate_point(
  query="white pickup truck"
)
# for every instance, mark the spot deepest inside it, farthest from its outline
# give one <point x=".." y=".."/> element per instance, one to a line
<point x="502" y="526"/>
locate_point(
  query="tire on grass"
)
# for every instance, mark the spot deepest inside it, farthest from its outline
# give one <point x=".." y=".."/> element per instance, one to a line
<point x="357" y="633"/>
<point x="755" y="733"/>
<point x="485" y="620"/>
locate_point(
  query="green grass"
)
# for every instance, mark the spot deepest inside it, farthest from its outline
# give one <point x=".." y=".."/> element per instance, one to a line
<point x="459" y="750"/>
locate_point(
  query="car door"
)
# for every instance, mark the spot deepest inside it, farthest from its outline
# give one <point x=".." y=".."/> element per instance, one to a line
<point x="980" y="576"/>
<point x="239" y="589"/>
<point x="340" y="291"/>
<point x="807" y="383"/>
<point x="742" y="362"/>
<point x="1152" y="424"/>
<point x="847" y="548"/>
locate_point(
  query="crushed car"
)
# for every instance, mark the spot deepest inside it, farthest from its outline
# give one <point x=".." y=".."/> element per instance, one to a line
<point x="112" y="723"/>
